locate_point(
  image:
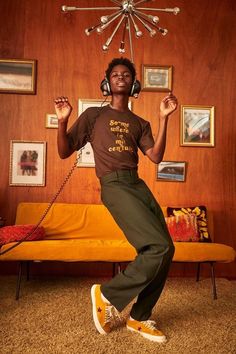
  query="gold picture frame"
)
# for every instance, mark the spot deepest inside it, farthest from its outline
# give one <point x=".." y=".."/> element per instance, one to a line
<point x="157" y="77"/>
<point x="197" y="126"/>
<point x="51" y="121"/>
<point x="27" y="163"/>
<point x="18" y="76"/>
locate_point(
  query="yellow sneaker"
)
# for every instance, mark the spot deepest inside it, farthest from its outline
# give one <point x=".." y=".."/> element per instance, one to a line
<point x="147" y="329"/>
<point x="104" y="314"/>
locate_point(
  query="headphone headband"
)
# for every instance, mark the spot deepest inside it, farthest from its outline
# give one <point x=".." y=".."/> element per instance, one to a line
<point x="106" y="88"/>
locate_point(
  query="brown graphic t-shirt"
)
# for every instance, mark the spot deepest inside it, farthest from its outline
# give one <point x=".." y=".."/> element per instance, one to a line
<point x="115" y="137"/>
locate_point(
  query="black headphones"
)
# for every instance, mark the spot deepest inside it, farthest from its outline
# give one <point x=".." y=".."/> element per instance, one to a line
<point x="106" y="89"/>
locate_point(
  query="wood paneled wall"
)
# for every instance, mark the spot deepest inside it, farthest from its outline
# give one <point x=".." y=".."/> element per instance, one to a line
<point x="201" y="46"/>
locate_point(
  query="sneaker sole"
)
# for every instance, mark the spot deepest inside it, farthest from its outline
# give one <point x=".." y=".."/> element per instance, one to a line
<point x="95" y="318"/>
<point x="148" y="336"/>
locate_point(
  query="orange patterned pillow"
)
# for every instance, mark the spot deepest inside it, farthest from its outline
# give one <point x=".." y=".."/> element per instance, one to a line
<point x="201" y="215"/>
<point x="183" y="228"/>
<point x="16" y="233"/>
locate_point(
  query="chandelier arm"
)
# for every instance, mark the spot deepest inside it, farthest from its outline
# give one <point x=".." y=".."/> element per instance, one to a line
<point x="105" y="19"/>
<point x="163" y="31"/>
<point x="105" y="25"/>
<point x="137" y="30"/>
<point x="91" y="29"/>
<point x="109" y="40"/>
<point x="175" y="10"/>
<point x="130" y="42"/>
<point x="122" y="42"/>
<point x="150" y="30"/>
<point x="141" y="1"/>
<point x="73" y="8"/>
<point x="117" y="2"/>
<point x="147" y="17"/>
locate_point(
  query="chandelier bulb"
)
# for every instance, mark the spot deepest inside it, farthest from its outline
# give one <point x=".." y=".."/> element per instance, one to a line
<point x="176" y="10"/>
<point x="105" y="48"/>
<point x="138" y="34"/>
<point x="121" y="50"/>
<point x="155" y="19"/>
<point x="104" y="19"/>
<point x="100" y="30"/>
<point x="164" y="31"/>
<point x="152" y="33"/>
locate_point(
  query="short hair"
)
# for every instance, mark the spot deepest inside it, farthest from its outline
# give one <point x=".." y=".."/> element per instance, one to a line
<point x="121" y="61"/>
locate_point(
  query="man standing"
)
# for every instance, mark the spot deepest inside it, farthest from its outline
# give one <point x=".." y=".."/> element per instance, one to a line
<point x="116" y="134"/>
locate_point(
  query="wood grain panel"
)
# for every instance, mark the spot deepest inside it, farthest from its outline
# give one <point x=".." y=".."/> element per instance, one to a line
<point x="201" y="46"/>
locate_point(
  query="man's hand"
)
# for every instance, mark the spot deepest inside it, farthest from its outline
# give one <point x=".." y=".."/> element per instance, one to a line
<point x="63" y="108"/>
<point x="168" y="105"/>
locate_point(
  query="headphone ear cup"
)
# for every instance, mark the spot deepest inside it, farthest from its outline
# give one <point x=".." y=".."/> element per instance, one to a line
<point x="136" y="88"/>
<point x="105" y="87"/>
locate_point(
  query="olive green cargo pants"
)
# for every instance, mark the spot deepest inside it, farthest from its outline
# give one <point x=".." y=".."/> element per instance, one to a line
<point x="137" y="213"/>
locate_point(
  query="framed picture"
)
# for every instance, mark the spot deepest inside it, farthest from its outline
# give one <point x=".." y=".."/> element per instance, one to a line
<point x="51" y="121"/>
<point x="27" y="163"/>
<point x="157" y="78"/>
<point x="17" y="76"/>
<point x="85" y="103"/>
<point x="197" y="126"/>
<point x="85" y="155"/>
<point x="174" y="171"/>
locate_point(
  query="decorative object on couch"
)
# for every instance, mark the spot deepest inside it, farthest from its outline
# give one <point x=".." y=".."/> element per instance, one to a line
<point x="201" y="214"/>
<point x="183" y="228"/>
<point x="16" y="233"/>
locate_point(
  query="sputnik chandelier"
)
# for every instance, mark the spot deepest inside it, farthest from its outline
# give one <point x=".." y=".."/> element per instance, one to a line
<point x="127" y="15"/>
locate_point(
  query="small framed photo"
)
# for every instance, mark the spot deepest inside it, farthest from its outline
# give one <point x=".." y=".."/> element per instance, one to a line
<point x="171" y="171"/>
<point x="85" y="155"/>
<point x="51" y="121"/>
<point x="197" y="126"/>
<point x="17" y="76"/>
<point x="157" y="78"/>
<point x="27" y="163"/>
<point x="85" y="103"/>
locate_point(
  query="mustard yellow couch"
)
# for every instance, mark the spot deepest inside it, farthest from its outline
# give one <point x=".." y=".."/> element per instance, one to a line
<point x="87" y="232"/>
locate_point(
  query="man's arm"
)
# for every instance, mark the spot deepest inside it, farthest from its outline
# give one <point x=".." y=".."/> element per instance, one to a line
<point x="168" y="105"/>
<point x="63" y="110"/>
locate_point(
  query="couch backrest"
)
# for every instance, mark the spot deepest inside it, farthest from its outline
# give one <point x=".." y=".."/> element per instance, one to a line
<point x="66" y="220"/>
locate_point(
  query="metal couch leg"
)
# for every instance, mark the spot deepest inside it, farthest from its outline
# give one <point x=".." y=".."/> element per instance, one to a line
<point x="19" y="280"/>
<point x="198" y="271"/>
<point x="213" y="280"/>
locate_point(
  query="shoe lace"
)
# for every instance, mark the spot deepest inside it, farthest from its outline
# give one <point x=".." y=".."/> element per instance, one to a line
<point x="150" y="324"/>
<point x="112" y="315"/>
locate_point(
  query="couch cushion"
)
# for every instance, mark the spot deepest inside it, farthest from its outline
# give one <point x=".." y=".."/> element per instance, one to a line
<point x="111" y="251"/>
<point x="201" y="214"/>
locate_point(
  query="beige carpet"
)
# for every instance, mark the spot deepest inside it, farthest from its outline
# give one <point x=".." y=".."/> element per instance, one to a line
<point x="53" y="316"/>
